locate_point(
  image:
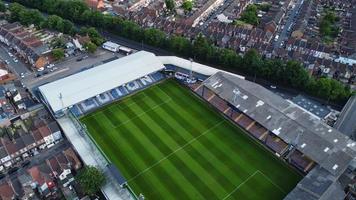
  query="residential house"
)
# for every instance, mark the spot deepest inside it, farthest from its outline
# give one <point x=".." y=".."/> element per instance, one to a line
<point x="55" y="131"/>
<point x="40" y="142"/>
<point x="3" y="100"/>
<point x="43" y="179"/>
<point x="6" y="191"/>
<point x="26" y="44"/>
<point x="72" y="158"/>
<point x="46" y="134"/>
<point x="5" y="158"/>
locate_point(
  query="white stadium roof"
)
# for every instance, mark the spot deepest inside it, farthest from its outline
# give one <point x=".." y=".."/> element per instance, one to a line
<point x="196" y="67"/>
<point x="89" y="83"/>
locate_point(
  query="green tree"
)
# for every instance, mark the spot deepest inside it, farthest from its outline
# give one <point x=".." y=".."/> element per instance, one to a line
<point x="58" y="54"/>
<point x="170" y="4"/>
<point x="58" y="43"/>
<point x="154" y="37"/>
<point x="2" y="7"/>
<point x="30" y="16"/>
<point x="90" y="179"/>
<point x="90" y="47"/>
<point x="15" y="10"/>
<point x="187" y="5"/>
<point x="180" y="45"/>
<point x="201" y="47"/>
<point x="250" y="15"/>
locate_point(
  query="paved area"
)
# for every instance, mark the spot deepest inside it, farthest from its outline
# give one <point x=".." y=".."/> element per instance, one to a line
<point x="69" y="67"/>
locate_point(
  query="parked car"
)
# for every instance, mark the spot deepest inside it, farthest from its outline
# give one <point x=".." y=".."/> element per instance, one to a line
<point x="50" y="66"/>
<point x="22" y="75"/>
<point x="40" y="69"/>
<point x="25" y="163"/>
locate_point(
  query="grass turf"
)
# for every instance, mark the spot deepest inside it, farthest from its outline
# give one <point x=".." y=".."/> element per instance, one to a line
<point x="171" y="145"/>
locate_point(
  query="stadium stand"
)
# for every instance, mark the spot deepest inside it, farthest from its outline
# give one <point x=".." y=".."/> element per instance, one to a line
<point x="100" y="85"/>
<point x="301" y="161"/>
<point x="292" y="132"/>
<point x="115" y="94"/>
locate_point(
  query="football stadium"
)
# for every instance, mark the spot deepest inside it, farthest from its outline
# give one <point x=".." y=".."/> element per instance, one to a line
<point x="170" y="128"/>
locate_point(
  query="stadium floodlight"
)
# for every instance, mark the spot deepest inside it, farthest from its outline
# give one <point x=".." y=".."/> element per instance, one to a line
<point x="61" y="99"/>
<point x="191" y="69"/>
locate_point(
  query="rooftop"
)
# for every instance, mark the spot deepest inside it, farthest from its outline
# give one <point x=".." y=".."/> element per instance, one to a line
<point x="323" y="144"/>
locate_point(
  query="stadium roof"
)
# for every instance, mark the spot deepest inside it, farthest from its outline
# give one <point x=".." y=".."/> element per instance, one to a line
<point x="89" y="83"/>
<point x="190" y="65"/>
<point x="346" y="122"/>
<point x="325" y="145"/>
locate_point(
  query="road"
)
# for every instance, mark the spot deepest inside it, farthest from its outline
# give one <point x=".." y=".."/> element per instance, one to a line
<point x="216" y="12"/>
<point x="18" y="67"/>
<point x="293" y="13"/>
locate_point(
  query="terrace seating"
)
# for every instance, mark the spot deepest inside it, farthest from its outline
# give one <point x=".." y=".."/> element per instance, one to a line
<point x="219" y="103"/>
<point x="275" y="143"/>
<point x="300" y="161"/>
<point x="145" y="81"/>
<point x="157" y="76"/>
<point x="257" y="130"/>
<point x="207" y="93"/>
<point x="103" y="98"/>
<point x="123" y="90"/>
<point x="132" y="86"/>
<point x="75" y="110"/>
<point x="115" y="93"/>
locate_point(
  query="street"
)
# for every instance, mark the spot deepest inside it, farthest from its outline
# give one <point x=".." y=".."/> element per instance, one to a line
<point x="293" y="13"/>
<point x="17" y="67"/>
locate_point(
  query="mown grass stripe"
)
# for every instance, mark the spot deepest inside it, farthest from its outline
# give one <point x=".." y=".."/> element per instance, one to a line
<point x="161" y="145"/>
<point x="204" y="155"/>
<point x="228" y="152"/>
<point x="200" y="158"/>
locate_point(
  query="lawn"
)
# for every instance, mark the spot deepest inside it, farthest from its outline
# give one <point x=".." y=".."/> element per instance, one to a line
<point x="171" y="145"/>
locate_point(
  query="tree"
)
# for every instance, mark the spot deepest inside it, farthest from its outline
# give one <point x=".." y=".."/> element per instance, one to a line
<point x="90" y="47"/>
<point x="15" y="10"/>
<point x="170" y="5"/>
<point x="180" y="45"/>
<point x="30" y="16"/>
<point x="58" y="42"/>
<point x="201" y="47"/>
<point x="58" y="54"/>
<point x="250" y="15"/>
<point x="90" y="179"/>
<point x="2" y="7"/>
<point x="187" y="5"/>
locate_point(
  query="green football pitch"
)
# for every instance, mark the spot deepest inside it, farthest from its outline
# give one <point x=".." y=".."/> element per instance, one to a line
<point x="169" y="144"/>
